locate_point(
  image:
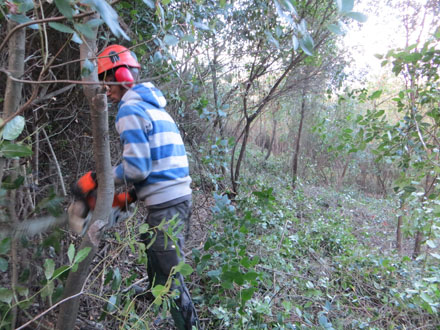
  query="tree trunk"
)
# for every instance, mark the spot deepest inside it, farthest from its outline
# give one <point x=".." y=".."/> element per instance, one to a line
<point x="240" y="156"/>
<point x="342" y="176"/>
<point x="219" y="118"/>
<point x="298" y="140"/>
<point x="399" y="228"/>
<point x="101" y="147"/>
<point x="272" y="139"/>
<point x="418" y="244"/>
<point x="12" y="100"/>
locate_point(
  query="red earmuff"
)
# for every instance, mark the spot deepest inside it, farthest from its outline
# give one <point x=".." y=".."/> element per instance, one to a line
<point x="123" y="74"/>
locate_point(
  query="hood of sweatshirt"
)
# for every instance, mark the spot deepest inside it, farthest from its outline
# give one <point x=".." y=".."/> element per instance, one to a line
<point x="146" y="92"/>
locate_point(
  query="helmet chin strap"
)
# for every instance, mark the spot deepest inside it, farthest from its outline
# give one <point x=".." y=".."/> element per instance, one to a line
<point x="123" y="74"/>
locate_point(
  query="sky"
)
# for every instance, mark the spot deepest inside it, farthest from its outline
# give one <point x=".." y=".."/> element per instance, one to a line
<point x="382" y="31"/>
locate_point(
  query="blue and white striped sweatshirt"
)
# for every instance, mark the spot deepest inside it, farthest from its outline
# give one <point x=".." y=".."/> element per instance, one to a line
<point x="154" y="157"/>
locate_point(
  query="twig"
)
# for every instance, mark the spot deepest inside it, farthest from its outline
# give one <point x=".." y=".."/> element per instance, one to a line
<point x="135" y="283"/>
<point x="46" y="20"/>
<point x="49" y="309"/>
<point x="57" y="165"/>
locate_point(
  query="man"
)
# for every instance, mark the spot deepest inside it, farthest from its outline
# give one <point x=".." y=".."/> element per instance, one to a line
<point x="155" y="163"/>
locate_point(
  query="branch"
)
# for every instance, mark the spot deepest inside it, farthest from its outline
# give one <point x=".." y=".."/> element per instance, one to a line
<point x="48" y="310"/>
<point x="46" y="20"/>
<point x="57" y="165"/>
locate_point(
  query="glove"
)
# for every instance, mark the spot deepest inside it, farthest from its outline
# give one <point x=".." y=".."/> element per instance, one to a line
<point x="123" y="199"/>
<point x="86" y="184"/>
<point x="85" y="189"/>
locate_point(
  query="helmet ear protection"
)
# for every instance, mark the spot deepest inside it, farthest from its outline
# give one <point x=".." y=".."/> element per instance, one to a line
<point x="123" y="74"/>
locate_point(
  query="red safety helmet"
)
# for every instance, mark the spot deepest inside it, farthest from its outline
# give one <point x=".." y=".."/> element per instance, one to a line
<point x="115" y="56"/>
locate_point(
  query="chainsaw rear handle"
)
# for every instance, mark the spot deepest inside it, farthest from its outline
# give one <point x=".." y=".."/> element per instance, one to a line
<point x="122" y="200"/>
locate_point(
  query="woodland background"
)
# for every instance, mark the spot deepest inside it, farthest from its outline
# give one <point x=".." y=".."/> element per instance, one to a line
<point x="316" y="199"/>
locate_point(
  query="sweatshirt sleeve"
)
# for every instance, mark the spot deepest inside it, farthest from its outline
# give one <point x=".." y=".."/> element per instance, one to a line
<point x="133" y="126"/>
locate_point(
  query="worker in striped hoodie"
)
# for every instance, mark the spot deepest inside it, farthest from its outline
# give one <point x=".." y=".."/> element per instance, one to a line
<point x="154" y="161"/>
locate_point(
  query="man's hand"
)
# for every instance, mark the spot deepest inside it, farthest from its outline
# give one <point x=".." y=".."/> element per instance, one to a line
<point x="123" y="199"/>
<point x="86" y="184"/>
<point x="85" y="189"/>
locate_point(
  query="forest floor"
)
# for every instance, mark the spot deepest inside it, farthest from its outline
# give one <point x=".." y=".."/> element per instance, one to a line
<point x="373" y="218"/>
<point x="372" y="221"/>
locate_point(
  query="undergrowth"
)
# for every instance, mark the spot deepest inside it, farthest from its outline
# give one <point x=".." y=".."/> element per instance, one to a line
<point x="283" y="259"/>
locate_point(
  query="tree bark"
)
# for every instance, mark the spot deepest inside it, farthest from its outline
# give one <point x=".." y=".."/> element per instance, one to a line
<point x="236" y="174"/>
<point x="399" y="228"/>
<point x="272" y="139"/>
<point x="342" y="176"/>
<point x="101" y="147"/>
<point x="298" y="140"/>
<point x="12" y="100"/>
<point x="418" y="244"/>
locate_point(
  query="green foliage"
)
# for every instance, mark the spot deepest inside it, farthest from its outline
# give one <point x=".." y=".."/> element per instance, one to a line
<point x="283" y="260"/>
<point x="410" y="141"/>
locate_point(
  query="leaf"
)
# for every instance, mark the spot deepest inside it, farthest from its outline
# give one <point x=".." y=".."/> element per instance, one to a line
<point x="376" y="95"/>
<point x="49" y="267"/>
<point x="14" y="128"/>
<point x="23" y="19"/>
<point x="426" y="298"/>
<point x="411" y="57"/>
<point x="25" y="5"/>
<point x="306" y="46"/>
<point x="60" y="271"/>
<point x="3" y="265"/>
<point x="85" y="30"/>
<point x="47" y="290"/>
<point x="64" y="8"/>
<point x="347" y="6"/>
<point x="409" y="189"/>
<point x="431" y="244"/>
<point x="117" y="279"/>
<point x="111" y="305"/>
<point x="214" y="273"/>
<point x="11" y="150"/>
<point x="170" y="40"/>
<point x="22" y="291"/>
<point x="188" y="37"/>
<point x="109" y="15"/>
<point x="339" y="4"/>
<point x="357" y="16"/>
<point x="8" y="184"/>
<point x="5" y="295"/>
<point x="5" y="245"/>
<point x="335" y="29"/>
<point x="295" y="42"/>
<point x="201" y="26"/>
<point x="71" y="253"/>
<point x="144" y="228"/>
<point x="76" y="38"/>
<point x="435" y="255"/>
<point x="51" y="203"/>
<point x="149" y="3"/>
<point x="61" y="27"/>
<point x="87" y="68"/>
<point x="250" y="276"/>
<point x="281" y="10"/>
<point x="379" y="113"/>
<point x="186" y="270"/>
<point x="247" y="294"/>
<point x="323" y="321"/>
<point x="272" y="40"/>
<point x="95" y="22"/>
<point x="82" y="254"/>
<point x="158" y="292"/>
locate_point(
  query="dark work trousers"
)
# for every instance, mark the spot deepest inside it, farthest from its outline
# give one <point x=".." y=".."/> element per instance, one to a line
<point x="162" y="257"/>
